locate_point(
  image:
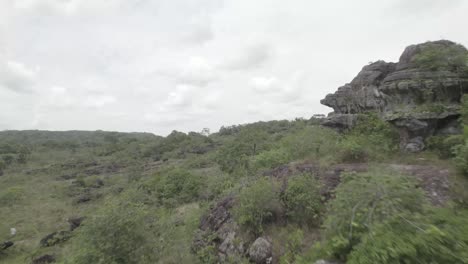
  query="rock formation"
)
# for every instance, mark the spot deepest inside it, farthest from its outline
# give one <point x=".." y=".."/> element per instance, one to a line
<point x="420" y="94"/>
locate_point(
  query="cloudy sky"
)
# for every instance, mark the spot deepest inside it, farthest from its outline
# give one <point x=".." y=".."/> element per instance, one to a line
<point x="160" y="65"/>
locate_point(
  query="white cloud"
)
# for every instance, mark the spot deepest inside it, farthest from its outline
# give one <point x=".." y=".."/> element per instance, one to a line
<point x="17" y="77"/>
<point x="144" y="65"/>
<point x="251" y="57"/>
<point x="99" y="101"/>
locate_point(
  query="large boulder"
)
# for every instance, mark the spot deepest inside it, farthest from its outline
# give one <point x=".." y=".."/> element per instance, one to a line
<point x="260" y="251"/>
<point x="420" y="100"/>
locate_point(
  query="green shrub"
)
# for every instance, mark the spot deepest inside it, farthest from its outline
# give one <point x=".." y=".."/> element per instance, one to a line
<point x="270" y="159"/>
<point x="311" y="142"/>
<point x="363" y="200"/>
<point x="257" y="205"/>
<point x="177" y="186"/>
<point x="461" y="157"/>
<point x="293" y="247"/>
<point x="302" y="199"/>
<point x="439" y="237"/>
<point x="444" y="146"/>
<point x="116" y="234"/>
<point x="370" y="139"/>
<point x="352" y="149"/>
<point x="437" y="57"/>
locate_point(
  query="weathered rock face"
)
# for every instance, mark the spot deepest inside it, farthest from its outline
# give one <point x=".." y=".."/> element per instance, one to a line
<point x="419" y="101"/>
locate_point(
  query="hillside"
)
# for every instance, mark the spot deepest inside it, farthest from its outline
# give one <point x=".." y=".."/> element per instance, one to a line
<point x="382" y="179"/>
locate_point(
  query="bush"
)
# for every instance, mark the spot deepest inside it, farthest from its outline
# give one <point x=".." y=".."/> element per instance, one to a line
<point x="177" y="186"/>
<point x="461" y="157"/>
<point x="302" y="199"/>
<point x="293" y="247"/>
<point x="444" y="146"/>
<point x="370" y="139"/>
<point x="311" y="142"/>
<point x="257" y="205"/>
<point x="270" y="159"/>
<point x="116" y="234"/>
<point x="352" y="150"/>
<point x="234" y="156"/>
<point x="363" y="200"/>
<point x="438" y="57"/>
<point x="440" y="237"/>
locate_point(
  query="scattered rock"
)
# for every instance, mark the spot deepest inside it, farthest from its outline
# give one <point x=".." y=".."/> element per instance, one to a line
<point x="44" y="259"/>
<point x="75" y="222"/>
<point x="260" y="251"/>
<point x="6" y="245"/>
<point x="55" y="238"/>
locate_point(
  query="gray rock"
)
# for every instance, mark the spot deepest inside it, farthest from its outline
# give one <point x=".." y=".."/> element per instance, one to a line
<point x="260" y="251"/>
<point x="419" y="102"/>
<point x="340" y="122"/>
<point x="415" y="145"/>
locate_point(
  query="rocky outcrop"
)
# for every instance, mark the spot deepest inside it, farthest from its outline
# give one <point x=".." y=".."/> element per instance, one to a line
<point x="219" y="231"/>
<point x="420" y="100"/>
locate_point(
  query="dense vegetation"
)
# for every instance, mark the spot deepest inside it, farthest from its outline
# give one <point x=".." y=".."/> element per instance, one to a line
<point x="141" y="197"/>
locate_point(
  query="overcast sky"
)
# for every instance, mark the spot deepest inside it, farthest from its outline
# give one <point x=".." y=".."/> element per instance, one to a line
<point x="160" y="65"/>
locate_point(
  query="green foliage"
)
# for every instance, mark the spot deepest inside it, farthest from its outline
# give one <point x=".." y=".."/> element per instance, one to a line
<point x="438" y="237"/>
<point x="437" y="57"/>
<point x="176" y="186"/>
<point x="461" y="157"/>
<point x="235" y="155"/>
<point x="370" y="139"/>
<point x="461" y="151"/>
<point x="117" y="234"/>
<point x="311" y="142"/>
<point x="293" y="247"/>
<point x="271" y="159"/>
<point x="444" y="146"/>
<point x="302" y="199"/>
<point x="257" y="205"/>
<point x="364" y="199"/>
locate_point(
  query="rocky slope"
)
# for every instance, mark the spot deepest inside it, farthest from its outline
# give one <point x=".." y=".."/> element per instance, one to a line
<point x="420" y="94"/>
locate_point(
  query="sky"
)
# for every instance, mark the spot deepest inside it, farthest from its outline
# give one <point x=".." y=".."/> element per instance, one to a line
<point x="162" y="65"/>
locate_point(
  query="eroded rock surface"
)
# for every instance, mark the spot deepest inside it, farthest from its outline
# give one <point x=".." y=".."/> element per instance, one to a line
<point x="419" y="101"/>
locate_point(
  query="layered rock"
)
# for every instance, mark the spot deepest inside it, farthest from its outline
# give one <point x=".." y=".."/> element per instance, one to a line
<point x="420" y="101"/>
